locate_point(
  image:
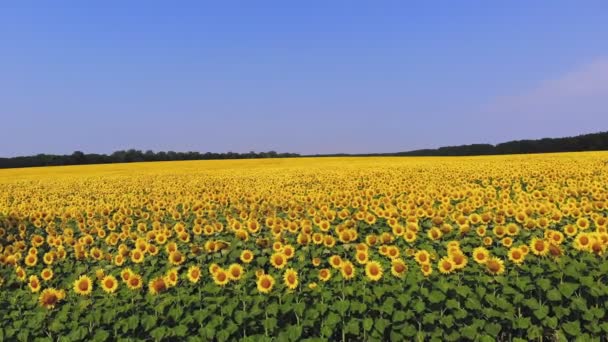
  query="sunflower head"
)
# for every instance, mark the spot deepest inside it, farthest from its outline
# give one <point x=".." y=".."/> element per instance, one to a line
<point x="83" y="285"/>
<point x="265" y="283"/>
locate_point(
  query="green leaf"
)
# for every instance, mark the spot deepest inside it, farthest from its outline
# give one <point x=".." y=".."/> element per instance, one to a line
<point x="544" y="284"/>
<point x="298" y="308"/>
<point x="452" y="304"/>
<point x="148" y="322"/>
<point x="572" y="328"/>
<point x="270" y="323"/>
<point x="409" y="330"/>
<point x="521" y="322"/>
<point x="492" y="329"/>
<point x="294" y="332"/>
<point x="436" y="297"/>
<point x="481" y="291"/>
<point x="419" y="306"/>
<point x="541" y="312"/>
<point x="554" y="295"/>
<point x="180" y="330"/>
<point x="352" y="327"/>
<point x="399" y="316"/>
<point x="342" y="307"/>
<point x="470" y="331"/>
<point x="381" y="325"/>
<point x="531" y="303"/>
<point x="534" y="332"/>
<point x="551" y="322"/>
<point x="567" y="289"/>
<point x="447" y="321"/>
<point x="368" y="323"/>
<point x="272" y="309"/>
<point x="101" y="335"/>
<point x="332" y="320"/>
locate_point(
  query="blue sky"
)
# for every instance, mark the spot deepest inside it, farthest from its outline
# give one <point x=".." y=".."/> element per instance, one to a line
<point x="306" y="77"/>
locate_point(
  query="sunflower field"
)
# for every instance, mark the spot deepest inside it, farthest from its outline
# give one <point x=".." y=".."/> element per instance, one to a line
<point x="497" y="248"/>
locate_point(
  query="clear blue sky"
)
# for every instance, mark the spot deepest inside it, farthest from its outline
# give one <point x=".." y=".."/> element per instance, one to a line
<point x="307" y="77"/>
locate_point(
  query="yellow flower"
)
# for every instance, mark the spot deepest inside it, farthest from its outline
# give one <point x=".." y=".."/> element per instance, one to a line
<point x="50" y="297"/>
<point x="246" y="256"/>
<point x="290" y="279"/>
<point x="109" y="284"/>
<point x="157" y="285"/>
<point x="446" y="265"/>
<point x="516" y="255"/>
<point x="83" y="285"/>
<point x="373" y="271"/>
<point x="347" y="270"/>
<point x="265" y="283"/>
<point x="398" y="268"/>
<point x="495" y="266"/>
<point x="194" y="274"/>
<point x="235" y="272"/>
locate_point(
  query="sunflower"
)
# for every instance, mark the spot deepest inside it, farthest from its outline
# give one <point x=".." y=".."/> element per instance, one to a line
<point x="362" y="257"/>
<point x="126" y="274"/>
<point x="422" y="257"/>
<point x="100" y="273"/>
<point x="31" y="260"/>
<point x="570" y="230"/>
<point x="235" y="272"/>
<point x="109" y="284"/>
<point x="335" y="261"/>
<point x="582" y="241"/>
<point x="176" y="258"/>
<point x="172" y="277"/>
<point x="83" y="285"/>
<point x="50" y="297"/>
<point x="194" y="274"/>
<point x="46" y="274"/>
<point x="446" y="265"/>
<point x="434" y="234"/>
<point x="137" y="256"/>
<point x="324" y="274"/>
<point x="246" y="256"/>
<point x="265" y="283"/>
<point x="398" y="268"/>
<point x="34" y="283"/>
<point x="495" y="266"/>
<point x="157" y="285"/>
<point x="290" y="278"/>
<point x="409" y="236"/>
<point x="220" y="277"/>
<point x="278" y="260"/>
<point x="459" y="260"/>
<point x="373" y="270"/>
<point x="539" y="247"/>
<point x="288" y="251"/>
<point x="135" y="282"/>
<point x="347" y="270"/>
<point x="393" y="252"/>
<point x="426" y="269"/>
<point x="516" y="255"/>
<point x="582" y="223"/>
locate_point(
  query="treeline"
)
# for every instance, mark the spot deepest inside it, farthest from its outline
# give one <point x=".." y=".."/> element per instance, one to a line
<point x="585" y="142"/>
<point x="129" y="156"/>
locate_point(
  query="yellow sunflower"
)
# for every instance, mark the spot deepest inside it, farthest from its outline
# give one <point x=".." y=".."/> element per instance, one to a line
<point x="290" y="278"/>
<point x="83" y="285"/>
<point x="373" y="271"/>
<point x="265" y="283"/>
<point x="194" y="274"/>
<point x="446" y="265"/>
<point x="109" y="284"/>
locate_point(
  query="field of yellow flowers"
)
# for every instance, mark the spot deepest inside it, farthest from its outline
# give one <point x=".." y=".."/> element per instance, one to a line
<point x="509" y="248"/>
